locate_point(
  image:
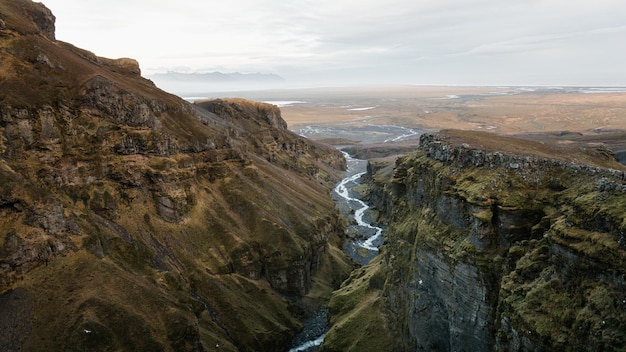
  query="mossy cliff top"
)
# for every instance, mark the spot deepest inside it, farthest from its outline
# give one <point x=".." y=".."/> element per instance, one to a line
<point x="504" y="248"/>
<point x="491" y="150"/>
<point x="133" y="220"/>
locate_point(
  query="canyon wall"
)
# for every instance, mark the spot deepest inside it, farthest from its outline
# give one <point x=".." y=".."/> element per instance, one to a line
<point x="490" y="250"/>
<point x="133" y="220"/>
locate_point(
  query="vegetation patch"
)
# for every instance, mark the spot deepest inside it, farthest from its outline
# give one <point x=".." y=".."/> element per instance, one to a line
<point x="357" y="311"/>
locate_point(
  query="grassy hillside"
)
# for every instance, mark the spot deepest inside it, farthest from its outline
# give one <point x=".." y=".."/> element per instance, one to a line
<point x="132" y="220"/>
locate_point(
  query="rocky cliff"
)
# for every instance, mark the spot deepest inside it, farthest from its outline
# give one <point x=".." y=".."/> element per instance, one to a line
<point x="133" y="220"/>
<point x="493" y="244"/>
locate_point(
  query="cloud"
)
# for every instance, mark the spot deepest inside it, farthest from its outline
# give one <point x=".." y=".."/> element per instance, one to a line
<point x="397" y="39"/>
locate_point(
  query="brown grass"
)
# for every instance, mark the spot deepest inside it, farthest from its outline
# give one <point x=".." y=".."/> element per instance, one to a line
<point x="431" y="109"/>
<point x="568" y="126"/>
<point x="576" y="153"/>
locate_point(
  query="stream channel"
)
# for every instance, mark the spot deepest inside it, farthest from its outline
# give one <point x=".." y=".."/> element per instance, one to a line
<point x="362" y="237"/>
<point x="362" y="242"/>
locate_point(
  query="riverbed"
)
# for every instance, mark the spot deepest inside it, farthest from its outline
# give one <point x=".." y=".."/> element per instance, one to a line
<point x="363" y="240"/>
<point x="363" y="236"/>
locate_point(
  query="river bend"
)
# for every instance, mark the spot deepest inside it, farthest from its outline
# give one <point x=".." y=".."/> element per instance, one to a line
<point x="363" y="240"/>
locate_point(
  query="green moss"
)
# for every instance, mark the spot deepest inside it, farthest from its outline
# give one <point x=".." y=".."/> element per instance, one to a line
<point x="236" y="299"/>
<point x="555" y="277"/>
<point x="358" y="313"/>
<point x="551" y="302"/>
<point x="334" y="268"/>
<point x="601" y="246"/>
<point x="103" y="258"/>
<point x="485" y="216"/>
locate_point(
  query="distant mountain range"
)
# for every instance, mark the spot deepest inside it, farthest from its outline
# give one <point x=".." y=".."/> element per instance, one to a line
<point x="216" y="77"/>
<point x="201" y="83"/>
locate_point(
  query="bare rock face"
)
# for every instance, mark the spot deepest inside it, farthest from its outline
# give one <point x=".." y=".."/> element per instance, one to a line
<point x="27" y="17"/>
<point x="44" y="19"/>
<point x="133" y="220"/>
<point x="263" y="113"/>
<point x="489" y="250"/>
<point x="128" y="65"/>
<point x="124" y="106"/>
<point x="449" y="307"/>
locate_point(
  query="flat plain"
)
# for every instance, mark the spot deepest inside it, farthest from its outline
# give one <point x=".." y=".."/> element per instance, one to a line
<point x="506" y="110"/>
<point x="560" y="115"/>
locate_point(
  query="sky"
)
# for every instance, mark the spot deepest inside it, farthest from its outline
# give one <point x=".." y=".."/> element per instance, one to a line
<point x="443" y="42"/>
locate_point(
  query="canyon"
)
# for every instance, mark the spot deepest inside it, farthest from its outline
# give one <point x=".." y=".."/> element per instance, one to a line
<point x="489" y="249"/>
<point x="131" y="219"/>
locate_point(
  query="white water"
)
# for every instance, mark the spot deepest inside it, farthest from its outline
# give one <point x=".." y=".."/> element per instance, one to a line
<point x="362" y="131"/>
<point x="309" y="344"/>
<point x="362" y="109"/>
<point x="410" y="133"/>
<point x="342" y="190"/>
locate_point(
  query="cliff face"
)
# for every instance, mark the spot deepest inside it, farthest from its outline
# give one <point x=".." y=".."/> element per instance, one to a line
<point x="132" y="220"/>
<point x="491" y="250"/>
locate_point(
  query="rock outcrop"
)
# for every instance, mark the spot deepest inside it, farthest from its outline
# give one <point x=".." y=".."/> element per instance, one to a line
<point x="490" y="250"/>
<point x="133" y="220"/>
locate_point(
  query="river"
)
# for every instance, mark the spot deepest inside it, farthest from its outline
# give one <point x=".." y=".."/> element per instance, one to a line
<point x="363" y="237"/>
<point x="362" y="244"/>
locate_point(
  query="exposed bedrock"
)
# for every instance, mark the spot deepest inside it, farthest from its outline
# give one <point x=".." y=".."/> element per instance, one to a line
<point x="490" y="251"/>
<point x="131" y="219"/>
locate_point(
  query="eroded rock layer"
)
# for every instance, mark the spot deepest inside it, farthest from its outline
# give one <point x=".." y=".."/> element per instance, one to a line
<point x="503" y="249"/>
<point x="133" y="220"/>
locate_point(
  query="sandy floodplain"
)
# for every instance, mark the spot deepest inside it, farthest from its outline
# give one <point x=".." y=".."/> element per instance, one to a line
<point x="505" y="110"/>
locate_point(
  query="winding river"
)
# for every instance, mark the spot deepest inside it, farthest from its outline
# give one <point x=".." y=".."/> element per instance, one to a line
<point x="363" y="237"/>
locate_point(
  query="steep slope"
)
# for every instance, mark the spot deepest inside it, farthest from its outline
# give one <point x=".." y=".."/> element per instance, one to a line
<point x="493" y="244"/>
<point x="132" y="220"/>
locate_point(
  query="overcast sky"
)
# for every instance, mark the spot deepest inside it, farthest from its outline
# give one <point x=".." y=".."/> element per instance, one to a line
<point x="478" y="42"/>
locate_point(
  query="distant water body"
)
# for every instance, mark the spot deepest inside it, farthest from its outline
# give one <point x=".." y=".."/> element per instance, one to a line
<point x="365" y="133"/>
<point x="552" y="89"/>
<point x="283" y="103"/>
